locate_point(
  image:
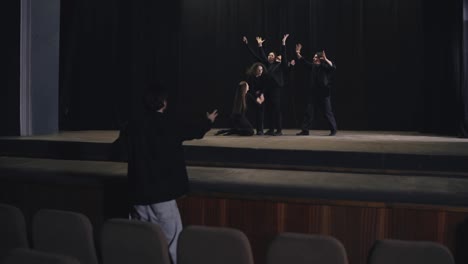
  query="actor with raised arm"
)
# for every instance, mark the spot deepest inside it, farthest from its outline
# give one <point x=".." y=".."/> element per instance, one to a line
<point x="318" y="96"/>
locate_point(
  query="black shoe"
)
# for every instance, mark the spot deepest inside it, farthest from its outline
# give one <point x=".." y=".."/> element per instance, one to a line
<point x="278" y="133"/>
<point x="221" y="132"/>
<point x="228" y="133"/>
<point x="270" y="132"/>
<point x="332" y="133"/>
<point x="259" y="133"/>
<point x="303" y="133"/>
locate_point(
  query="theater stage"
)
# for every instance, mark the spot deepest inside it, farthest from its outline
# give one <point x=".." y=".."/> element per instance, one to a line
<point x="359" y="186"/>
<point x="349" y="151"/>
<point x="354" y="165"/>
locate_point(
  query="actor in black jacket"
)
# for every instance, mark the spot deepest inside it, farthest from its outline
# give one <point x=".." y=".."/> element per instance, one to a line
<point x="240" y="125"/>
<point x="156" y="166"/>
<point x="258" y="81"/>
<point x="318" y="97"/>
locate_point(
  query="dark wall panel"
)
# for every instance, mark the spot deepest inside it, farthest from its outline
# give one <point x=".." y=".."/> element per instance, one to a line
<point x="10" y="73"/>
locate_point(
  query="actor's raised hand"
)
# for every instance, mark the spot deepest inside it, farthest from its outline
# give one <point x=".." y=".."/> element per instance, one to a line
<point x="298" y="50"/>
<point x="244" y="39"/>
<point x="298" y="47"/>
<point x="260" y="41"/>
<point x="212" y="116"/>
<point x="285" y="37"/>
<point x="324" y="57"/>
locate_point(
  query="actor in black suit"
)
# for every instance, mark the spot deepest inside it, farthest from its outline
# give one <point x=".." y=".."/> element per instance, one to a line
<point x="318" y="97"/>
<point x="156" y="166"/>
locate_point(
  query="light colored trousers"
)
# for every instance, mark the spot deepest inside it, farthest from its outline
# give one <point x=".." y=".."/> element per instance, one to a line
<point x="167" y="216"/>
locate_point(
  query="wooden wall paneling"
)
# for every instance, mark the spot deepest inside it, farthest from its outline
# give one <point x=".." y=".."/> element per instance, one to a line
<point x="214" y="212"/>
<point x="258" y="219"/>
<point x="382" y="223"/>
<point x="356" y="225"/>
<point x="414" y="224"/>
<point x="356" y="228"/>
<point x="302" y="218"/>
<point x="192" y="210"/>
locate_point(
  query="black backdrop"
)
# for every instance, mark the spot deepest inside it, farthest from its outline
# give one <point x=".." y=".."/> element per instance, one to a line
<point x="10" y="13"/>
<point x="399" y="62"/>
<point x="376" y="87"/>
<point x="110" y="51"/>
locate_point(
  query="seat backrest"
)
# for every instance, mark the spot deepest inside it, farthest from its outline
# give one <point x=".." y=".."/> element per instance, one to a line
<point x="126" y="241"/>
<point x="13" y="232"/>
<point x="29" y="256"/>
<point x="202" y="244"/>
<point x="409" y="252"/>
<point x="65" y="233"/>
<point x="306" y="249"/>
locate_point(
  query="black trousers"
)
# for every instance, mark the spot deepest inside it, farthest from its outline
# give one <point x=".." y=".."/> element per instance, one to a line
<point x="322" y="104"/>
<point x="259" y="115"/>
<point x="274" y="114"/>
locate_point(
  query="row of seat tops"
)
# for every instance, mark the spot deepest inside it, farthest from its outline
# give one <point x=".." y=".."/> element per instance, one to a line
<point x="124" y="241"/>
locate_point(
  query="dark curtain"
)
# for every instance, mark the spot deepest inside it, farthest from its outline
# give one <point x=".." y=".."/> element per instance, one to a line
<point x="444" y="91"/>
<point x="110" y="51"/>
<point x="154" y="50"/>
<point x="94" y="63"/>
<point x="377" y="46"/>
<point x="398" y="62"/>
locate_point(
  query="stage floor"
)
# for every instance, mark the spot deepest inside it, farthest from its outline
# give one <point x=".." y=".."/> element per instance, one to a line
<point x="347" y="141"/>
<point x="357" y="165"/>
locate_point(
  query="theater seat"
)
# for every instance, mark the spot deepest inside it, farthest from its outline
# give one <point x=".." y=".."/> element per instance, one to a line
<point x="13" y="232"/>
<point x="126" y="241"/>
<point x="65" y="233"/>
<point x="28" y="256"/>
<point x="213" y="245"/>
<point x="409" y="252"/>
<point x="306" y="249"/>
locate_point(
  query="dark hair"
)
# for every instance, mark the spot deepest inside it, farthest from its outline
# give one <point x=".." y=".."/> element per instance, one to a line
<point x="319" y="54"/>
<point x="154" y="97"/>
<point x="240" y="105"/>
<point x="253" y="68"/>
